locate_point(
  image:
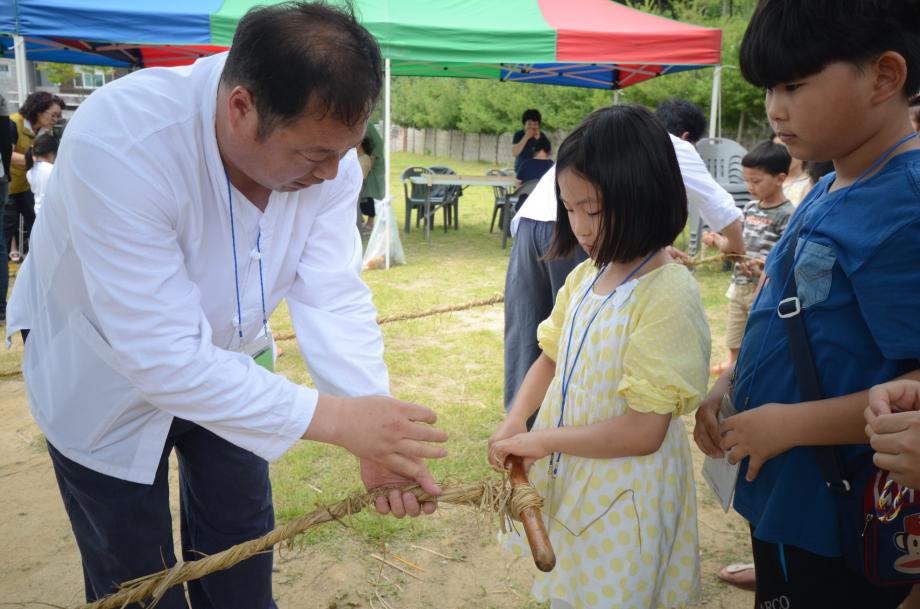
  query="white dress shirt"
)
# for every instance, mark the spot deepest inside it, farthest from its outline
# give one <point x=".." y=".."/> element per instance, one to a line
<point x="716" y="206"/>
<point x="128" y="289"/>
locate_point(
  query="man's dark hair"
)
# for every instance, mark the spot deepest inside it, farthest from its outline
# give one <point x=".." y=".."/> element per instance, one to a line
<point x="680" y="116"/>
<point x="626" y="153"/>
<point x="531" y="115"/>
<point x="299" y="54"/>
<point x="790" y="39"/>
<point x="768" y="157"/>
<point x="38" y="102"/>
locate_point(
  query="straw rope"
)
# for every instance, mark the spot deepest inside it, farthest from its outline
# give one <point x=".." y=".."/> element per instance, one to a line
<point x="491" y="496"/>
<point x="385" y="319"/>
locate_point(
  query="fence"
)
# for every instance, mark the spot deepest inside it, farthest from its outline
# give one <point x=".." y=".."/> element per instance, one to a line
<point x="459" y="145"/>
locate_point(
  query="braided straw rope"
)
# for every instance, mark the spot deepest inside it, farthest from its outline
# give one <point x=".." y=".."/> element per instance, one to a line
<point x="490" y="496"/>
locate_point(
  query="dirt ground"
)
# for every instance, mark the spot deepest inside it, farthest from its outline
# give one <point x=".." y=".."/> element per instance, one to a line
<point x="40" y="566"/>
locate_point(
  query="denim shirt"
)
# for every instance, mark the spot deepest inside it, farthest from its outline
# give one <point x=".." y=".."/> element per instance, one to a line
<point x="858" y="282"/>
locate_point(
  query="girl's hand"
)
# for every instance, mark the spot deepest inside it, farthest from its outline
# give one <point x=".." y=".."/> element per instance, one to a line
<point x="758" y="434"/>
<point x="510" y="427"/>
<point x="706" y="431"/>
<point x="530" y="445"/>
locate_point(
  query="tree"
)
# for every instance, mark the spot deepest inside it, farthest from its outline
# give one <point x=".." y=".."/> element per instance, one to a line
<point x="58" y="73"/>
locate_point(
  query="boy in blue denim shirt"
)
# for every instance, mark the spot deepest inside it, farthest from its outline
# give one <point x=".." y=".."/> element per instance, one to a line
<point x="838" y="76"/>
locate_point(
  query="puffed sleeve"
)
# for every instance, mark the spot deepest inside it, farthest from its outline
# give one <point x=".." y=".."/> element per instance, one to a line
<point x="666" y="360"/>
<point x="550" y="330"/>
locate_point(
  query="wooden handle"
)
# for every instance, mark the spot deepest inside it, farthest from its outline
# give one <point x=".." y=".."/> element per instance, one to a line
<point x="540" y="547"/>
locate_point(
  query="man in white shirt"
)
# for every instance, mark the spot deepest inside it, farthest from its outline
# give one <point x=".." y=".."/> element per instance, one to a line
<point x="185" y="205"/>
<point x="531" y="282"/>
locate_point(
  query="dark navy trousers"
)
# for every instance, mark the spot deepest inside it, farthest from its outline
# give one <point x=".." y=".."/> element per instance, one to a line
<point x="530" y="292"/>
<point x="124" y="529"/>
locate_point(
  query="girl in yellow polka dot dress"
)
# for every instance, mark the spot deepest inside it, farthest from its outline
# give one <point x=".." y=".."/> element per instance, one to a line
<point x="625" y="353"/>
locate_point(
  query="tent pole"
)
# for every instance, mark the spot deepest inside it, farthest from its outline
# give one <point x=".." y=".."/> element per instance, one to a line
<point x="22" y="67"/>
<point x="386" y="153"/>
<point x="714" y="104"/>
<point x="616" y="97"/>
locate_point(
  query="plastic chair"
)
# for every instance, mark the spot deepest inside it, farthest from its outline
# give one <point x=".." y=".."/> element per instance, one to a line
<point x="501" y="199"/>
<point x="451" y="196"/>
<point x="723" y="159"/>
<point x="416" y="195"/>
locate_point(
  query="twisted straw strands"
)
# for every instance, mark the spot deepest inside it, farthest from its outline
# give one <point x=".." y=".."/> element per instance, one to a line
<point x="488" y="496"/>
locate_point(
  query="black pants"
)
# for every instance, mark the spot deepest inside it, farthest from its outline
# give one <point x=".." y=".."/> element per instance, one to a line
<point x="367" y="207"/>
<point x="124" y="529"/>
<point x="791" y="578"/>
<point x="21" y="203"/>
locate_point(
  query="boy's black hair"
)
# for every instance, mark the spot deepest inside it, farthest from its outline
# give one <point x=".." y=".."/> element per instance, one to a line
<point x="43" y="145"/>
<point x="626" y="153"/>
<point x="543" y="144"/>
<point x="914" y="101"/>
<point x="681" y="116"/>
<point x="787" y="40"/>
<point x="295" y="54"/>
<point x="531" y="115"/>
<point x="768" y="157"/>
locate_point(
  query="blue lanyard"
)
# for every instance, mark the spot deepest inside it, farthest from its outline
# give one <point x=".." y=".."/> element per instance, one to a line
<point x="795" y="260"/>
<point x="567" y="372"/>
<point x="236" y="272"/>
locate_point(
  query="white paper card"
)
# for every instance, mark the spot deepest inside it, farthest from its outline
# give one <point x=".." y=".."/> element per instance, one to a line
<point x="719" y="474"/>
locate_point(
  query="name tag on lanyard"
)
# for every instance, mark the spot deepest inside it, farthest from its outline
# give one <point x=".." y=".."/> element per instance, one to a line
<point x="262" y="349"/>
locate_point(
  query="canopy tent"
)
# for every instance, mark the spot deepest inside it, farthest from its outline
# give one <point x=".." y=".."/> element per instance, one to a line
<point x="583" y="43"/>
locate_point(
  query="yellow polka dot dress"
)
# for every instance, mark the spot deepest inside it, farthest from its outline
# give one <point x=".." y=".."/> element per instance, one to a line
<point x="624" y="530"/>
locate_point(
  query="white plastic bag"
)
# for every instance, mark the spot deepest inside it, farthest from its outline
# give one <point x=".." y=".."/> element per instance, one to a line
<point x="385" y="235"/>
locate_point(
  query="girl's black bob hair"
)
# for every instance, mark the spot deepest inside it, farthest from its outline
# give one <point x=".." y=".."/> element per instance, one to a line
<point x="628" y="155"/>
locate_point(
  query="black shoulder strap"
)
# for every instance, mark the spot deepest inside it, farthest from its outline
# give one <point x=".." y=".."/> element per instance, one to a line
<point x="790" y="311"/>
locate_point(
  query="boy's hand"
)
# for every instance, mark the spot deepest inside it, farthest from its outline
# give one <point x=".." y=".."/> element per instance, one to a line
<point x="510" y="427"/>
<point x="529" y="445"/>
<point x="893" y="427"/>
<point x="706" y="431"/>
<point x="677" y="255"/>
<point x="711" y="239"/>
<point x="758" y="434"/>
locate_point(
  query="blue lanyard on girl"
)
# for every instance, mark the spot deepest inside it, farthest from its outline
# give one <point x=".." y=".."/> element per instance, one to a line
<point x="568" y="372"/>
<point x="236" y="272"/>
<point x="795" y="260"/>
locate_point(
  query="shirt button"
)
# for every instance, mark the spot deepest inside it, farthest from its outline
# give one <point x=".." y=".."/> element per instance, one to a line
<point x="235" y="321"/>
<point x="255" y="255"/>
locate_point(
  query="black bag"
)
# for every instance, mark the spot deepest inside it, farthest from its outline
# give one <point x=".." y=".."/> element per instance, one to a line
<point x="884" y="553"/>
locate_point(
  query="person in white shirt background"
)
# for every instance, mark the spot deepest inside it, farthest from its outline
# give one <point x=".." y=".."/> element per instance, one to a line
<point x="531" y="282"/>
<point x="39" y="163"/>
<point x="184" y="205"/>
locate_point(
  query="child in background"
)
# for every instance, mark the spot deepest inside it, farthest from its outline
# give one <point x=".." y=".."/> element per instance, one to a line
<point x="837" y="77"/>
<point x="39" y="163"/>
<point x="765" y="219"/>
<point x="624" y="355"/>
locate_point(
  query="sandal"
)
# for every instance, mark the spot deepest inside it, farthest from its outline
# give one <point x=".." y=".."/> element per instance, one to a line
<point x="740" y="575"/>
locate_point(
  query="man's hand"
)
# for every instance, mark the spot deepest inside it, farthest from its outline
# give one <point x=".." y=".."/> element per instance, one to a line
<point x="712" y="239"/>
<point x="392" y="435"/>
<point x="399" y="503"/>
<point x="706" y="431"/>
<point x="677" y="255"/>
<point x="893" y="427"/>
<point x="758" y="434"/>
